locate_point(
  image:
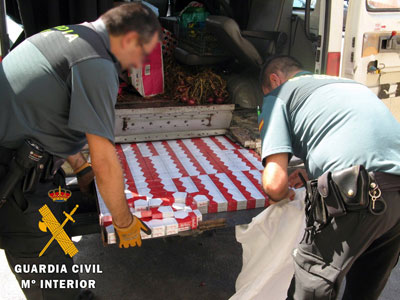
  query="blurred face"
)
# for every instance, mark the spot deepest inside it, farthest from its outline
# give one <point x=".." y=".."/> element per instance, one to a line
<point x="131" y="52"/>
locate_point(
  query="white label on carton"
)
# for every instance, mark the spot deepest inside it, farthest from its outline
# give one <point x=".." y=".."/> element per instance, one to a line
<point x="145" y="236"/>
<point x="179" y="197"/>
<point x="157" y="228"/>
<point x="181" y="214"/>
<point x="171" y="226"/>
<point x="201" y="200"/>
<point x="260" y="203"/>
<point x="141" y="205"/>
<point x="167" y="211"/>
<point x="111" y="238"/>
<point x="156" y="202"/>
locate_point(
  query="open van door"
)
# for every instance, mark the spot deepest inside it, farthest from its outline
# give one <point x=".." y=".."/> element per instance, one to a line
<point x="371" y="53"/>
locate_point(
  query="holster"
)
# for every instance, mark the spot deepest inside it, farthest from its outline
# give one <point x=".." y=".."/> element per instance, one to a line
<point x="317" y="204"/>
<point x="315" y="211"/>
<point x="45" y="174"/>
<point x="346" y="190"/>
<point x="24" y="177"/>
<point x="333" y="194"/>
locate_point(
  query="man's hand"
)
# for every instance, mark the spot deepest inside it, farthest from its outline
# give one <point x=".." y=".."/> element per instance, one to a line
<point x="85" y="182"/>
<point x="294" y="178"/>
<point x="291" y="194"/>
<point x="130" y="236"/>
<point x="83" y="172"/>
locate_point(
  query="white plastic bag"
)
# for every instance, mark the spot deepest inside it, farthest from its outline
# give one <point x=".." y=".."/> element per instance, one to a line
<point x="268" y="242"/>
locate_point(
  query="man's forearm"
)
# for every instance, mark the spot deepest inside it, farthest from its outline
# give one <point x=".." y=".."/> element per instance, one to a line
<point x="109" y="178"/>
<point x="275" y="178"/>
<point x="110" y="182"/>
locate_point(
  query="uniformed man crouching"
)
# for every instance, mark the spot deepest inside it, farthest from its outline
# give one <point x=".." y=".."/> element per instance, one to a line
<point x="57" y="92"/>
<point x="350" y="144"/>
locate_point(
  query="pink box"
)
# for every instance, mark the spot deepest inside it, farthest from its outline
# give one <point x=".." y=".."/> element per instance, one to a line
<point x="149" y="79"/>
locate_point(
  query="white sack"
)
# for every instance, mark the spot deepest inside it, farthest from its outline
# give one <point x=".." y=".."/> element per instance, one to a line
<point x="268" y="243"/>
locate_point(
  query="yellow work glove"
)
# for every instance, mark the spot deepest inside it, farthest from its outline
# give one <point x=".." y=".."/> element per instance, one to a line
<point x="130" y="236"/>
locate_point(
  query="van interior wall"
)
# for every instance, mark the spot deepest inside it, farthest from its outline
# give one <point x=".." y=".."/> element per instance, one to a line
<point x="39" y="15"/>
<point x="269" y="15"/>
<point x="263" y="15"/>
<point x="302" y="48"/>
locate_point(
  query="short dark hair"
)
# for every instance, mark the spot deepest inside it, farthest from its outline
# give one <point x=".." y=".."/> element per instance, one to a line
<point x="283" y="63"/>
<point x="132" y="17"/>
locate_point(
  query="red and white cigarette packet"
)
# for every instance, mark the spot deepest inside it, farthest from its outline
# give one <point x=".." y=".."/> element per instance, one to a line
<point x="260" y="203"/>
<point x="141" y="213"/>
<point x="141" y="205"/>
<point x="202" y="203"/>
<point x="222" y="204"/>
<point x="183" y="207"/>
<point x="155" y="202"/>
<point x="131" y="201"/>
<point x="128" y="194"/>
<point x="171" y="226"/>
<point x="162" y="212"/>
<point x="111" y="236"/>
<point x="106" y="220"/>
<point x="157" y="228"/>
<point x="180" y="197"/>
<point x="199" y="215"/>
<point x="193" y="206"/>
<point x="187" y="220"/>
<point x="241" y="204"/>
<point x="178" y="206"/>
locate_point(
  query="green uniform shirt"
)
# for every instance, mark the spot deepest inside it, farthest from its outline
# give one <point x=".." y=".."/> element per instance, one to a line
<point x="36" y="103"/>
<point x="330" y="123"/>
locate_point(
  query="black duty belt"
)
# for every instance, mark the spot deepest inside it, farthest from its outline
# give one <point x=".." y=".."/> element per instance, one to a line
<point x="334" y="194"/>
<point x="387" y="182"/>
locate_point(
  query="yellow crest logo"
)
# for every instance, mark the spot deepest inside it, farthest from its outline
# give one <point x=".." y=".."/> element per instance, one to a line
<point x="50" y="222"/>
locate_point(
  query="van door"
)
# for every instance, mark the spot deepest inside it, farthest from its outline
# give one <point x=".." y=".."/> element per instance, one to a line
<point x="371" y="53"/>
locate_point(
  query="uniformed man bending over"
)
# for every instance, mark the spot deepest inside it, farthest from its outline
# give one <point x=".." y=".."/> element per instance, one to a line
<point x="57" y="92"/>
<point x="350" y="144"/>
